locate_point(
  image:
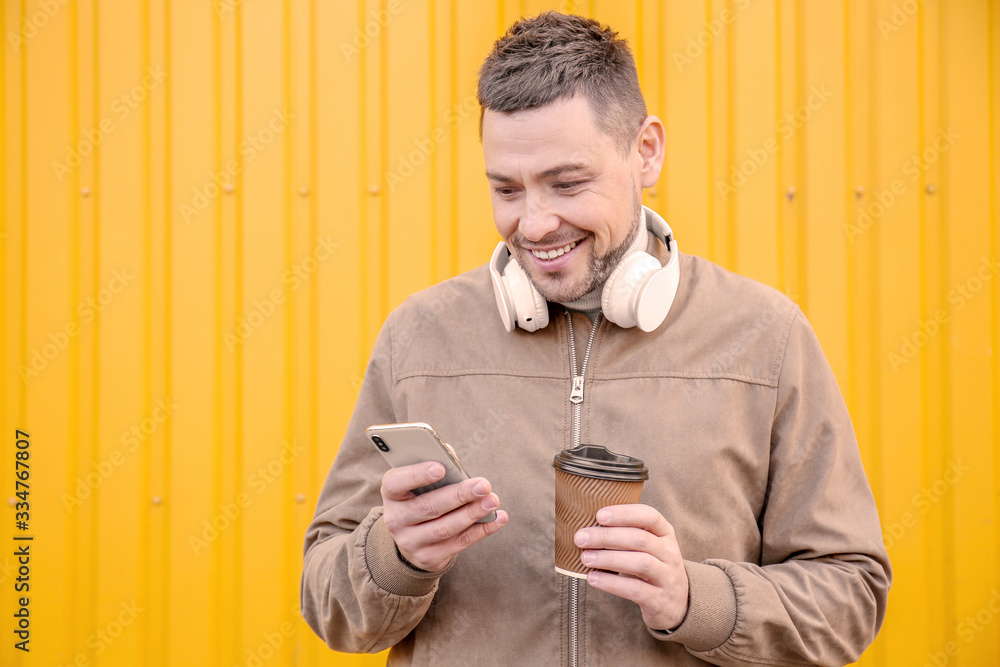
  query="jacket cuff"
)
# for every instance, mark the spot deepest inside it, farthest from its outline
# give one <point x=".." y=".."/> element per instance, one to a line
<point x="711" y="615"/>
<point x="390" y="571"/>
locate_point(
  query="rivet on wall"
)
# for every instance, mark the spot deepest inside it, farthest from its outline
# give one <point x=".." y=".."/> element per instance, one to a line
<point x="790" y="193"/>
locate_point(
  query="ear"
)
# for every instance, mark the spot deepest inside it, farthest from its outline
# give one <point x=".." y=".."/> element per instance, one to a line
<point x="651" y="148"/>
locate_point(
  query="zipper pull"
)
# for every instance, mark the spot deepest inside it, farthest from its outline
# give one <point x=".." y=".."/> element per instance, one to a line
<point x="576" y="396"/>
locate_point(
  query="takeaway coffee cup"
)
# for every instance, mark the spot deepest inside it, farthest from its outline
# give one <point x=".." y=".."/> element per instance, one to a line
<point x="588" y="478"/>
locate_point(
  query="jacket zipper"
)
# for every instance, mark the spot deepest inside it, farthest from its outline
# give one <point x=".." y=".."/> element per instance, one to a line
<point x="576" y="398"/>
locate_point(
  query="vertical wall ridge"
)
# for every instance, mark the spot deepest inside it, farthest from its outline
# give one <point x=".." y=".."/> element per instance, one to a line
<point x="216" y="613"/>
<point x="164" y="631"/>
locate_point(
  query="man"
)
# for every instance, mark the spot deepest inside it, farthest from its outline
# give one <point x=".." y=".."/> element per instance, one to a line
<point x="757" y="540"/>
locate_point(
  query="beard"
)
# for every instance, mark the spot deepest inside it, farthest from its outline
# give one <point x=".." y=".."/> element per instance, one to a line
<point x="558" y="290"/>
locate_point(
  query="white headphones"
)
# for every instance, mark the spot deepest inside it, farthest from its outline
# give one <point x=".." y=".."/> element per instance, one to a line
<point x="639" y="292"/>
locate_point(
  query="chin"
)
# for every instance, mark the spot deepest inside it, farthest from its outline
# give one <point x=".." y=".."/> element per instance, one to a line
<point x="560" y="286"/>
<point x="560" y="291"/>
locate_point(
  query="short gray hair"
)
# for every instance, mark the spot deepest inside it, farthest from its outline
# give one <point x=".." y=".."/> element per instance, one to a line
<point x="552" y="55"/>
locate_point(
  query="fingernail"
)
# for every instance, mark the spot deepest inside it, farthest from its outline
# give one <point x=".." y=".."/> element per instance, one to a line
<point x="436" y="471"/>
<point x="480" y="489"/>
<point x="593" y="577"/>
<point x="587" y="557"/>
<point x="603" y="516"/>
<point x="490" y="502"/>
<point x="581" y="539"/>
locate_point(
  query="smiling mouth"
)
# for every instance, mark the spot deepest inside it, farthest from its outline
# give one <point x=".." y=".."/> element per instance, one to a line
<point x="552" y="254"/>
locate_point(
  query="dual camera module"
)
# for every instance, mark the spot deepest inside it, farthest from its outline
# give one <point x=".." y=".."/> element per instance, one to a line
<point x="380" y="443"/>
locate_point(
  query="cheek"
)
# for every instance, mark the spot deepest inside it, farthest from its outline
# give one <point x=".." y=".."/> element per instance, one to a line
<point x="503" y="219"/>
<point x="602" y="249"/>
<point x="603" y="241"/>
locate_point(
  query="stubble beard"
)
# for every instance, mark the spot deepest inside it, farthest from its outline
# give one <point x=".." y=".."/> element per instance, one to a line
<point x="598" y="267"/>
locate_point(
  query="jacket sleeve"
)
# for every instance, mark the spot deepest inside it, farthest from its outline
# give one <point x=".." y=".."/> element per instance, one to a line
<point x="819" y="595"/>
<point x="357" y="593"/>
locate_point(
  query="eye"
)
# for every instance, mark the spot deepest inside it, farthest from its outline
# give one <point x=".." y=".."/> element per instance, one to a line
<point x="566" y="187"/>
<point x="504" y="192"/>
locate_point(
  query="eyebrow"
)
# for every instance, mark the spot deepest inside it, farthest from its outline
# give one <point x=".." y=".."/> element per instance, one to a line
<point x="548" y="173"/>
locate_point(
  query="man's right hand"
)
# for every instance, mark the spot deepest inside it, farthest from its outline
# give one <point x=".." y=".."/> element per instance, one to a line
<point x="431" y="528"/>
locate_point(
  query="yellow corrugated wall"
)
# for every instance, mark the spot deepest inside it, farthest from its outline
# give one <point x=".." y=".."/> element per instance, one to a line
<point x="209" y="206"/>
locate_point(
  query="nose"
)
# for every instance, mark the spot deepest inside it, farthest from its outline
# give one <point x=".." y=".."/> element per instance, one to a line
<point x="537" y="218"/>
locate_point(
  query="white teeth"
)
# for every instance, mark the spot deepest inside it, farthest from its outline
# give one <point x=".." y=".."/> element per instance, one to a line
<point x="552" y="254"/>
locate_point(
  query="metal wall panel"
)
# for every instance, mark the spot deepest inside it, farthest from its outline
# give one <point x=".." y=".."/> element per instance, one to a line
<point x="208" y="209"/>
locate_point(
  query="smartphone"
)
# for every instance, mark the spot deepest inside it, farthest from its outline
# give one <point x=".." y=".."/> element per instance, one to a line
<point x="416" y="442"/>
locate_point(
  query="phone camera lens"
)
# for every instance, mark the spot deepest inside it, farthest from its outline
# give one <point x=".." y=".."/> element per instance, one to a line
<point x="380" y="443"/>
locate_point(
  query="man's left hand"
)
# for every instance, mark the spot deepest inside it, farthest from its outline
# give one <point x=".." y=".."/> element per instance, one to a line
<point x="639" y="544"/>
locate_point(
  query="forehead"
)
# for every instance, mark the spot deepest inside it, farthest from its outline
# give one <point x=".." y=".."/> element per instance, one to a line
<point x="563" y="130"/>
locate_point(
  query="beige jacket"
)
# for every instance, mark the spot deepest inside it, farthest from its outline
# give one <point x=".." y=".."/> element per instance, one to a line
<point x="752" y="458"/>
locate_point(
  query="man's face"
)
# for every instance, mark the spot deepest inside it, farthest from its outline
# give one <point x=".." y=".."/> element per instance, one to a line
<point x="564" y="199"/>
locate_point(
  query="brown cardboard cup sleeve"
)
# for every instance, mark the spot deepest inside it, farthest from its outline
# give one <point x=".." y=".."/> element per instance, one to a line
<point x="588" y="478"/>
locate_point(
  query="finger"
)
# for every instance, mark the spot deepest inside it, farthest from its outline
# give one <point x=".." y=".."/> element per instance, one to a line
<point x="623" y="539"/>
<point x="635" y="564"/>
<point x="398" y="482"/>
<point x="630" y="588"/>
<point x="439" y="502"/>
<point x="434" y="557"/>
<point x="637" y="516"/>
<point x="452" y="524"/>
<point x="479" y="531"/>
<point x="662" y="606"/>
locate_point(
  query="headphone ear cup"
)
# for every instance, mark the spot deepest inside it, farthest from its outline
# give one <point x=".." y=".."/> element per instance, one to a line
<point x="620" y="296"/>
<point x="656" y="296"/>
<point x="498" y="262"/>
<point x="530" y="306"/>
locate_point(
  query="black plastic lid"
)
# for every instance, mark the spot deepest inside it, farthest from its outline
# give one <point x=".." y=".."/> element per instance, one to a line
<point x="597" y="462"/>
